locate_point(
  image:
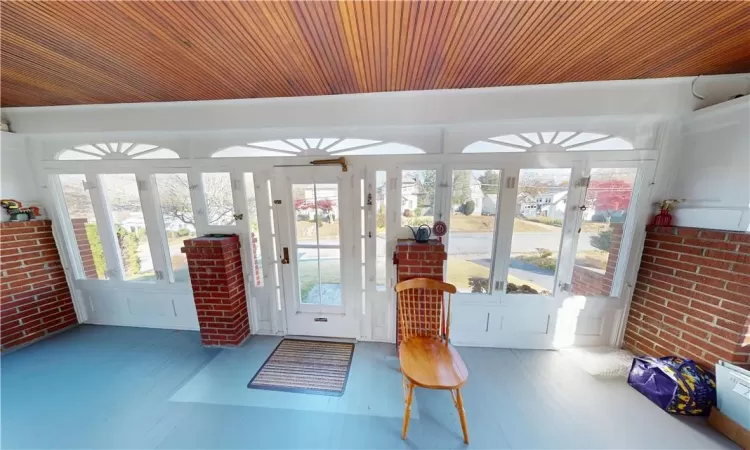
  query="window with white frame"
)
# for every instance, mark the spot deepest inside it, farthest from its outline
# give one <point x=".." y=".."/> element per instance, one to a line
<point x="471" y="238"/>
<point x="381" y="214"/>
<point x="116" y="150"/>
<point x="252" y="221"/>
<point x="84" y="226"/>
<point x="418" y="191"/>
<point x="217" y="191"/>
<point x="537" y="230"/>
<point x="122" y="197"/>
<point x="179" y="221"/>
<point x="607" y="203"/>
<point x="309" y="146"/>
<point x="549" y="141"/>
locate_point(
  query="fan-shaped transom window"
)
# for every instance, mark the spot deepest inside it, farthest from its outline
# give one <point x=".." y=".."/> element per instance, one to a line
<point x="334" y="146"/>
<point x="552" y="140"/>
<point x="117" y="150"/>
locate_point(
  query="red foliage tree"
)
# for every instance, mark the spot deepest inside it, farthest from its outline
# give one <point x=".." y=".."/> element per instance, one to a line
<point x="325" y="205"/>
<point x="301" y="204"/>
<point x="610" y="195"/>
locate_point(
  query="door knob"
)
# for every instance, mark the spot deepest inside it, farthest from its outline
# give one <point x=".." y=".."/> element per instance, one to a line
<point x="285" y="255"/>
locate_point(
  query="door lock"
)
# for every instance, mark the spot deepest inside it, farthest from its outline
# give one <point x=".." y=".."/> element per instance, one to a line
<point x="285" y="255"/>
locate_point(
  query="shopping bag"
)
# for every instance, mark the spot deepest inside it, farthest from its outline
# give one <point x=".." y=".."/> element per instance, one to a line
<point x="674" y="384"/>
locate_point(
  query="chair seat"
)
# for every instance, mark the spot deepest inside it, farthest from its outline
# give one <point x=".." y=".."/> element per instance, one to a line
<point x="432" y="364"/>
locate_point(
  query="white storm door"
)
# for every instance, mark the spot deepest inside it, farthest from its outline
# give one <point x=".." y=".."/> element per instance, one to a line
<point x="315" y="211"/>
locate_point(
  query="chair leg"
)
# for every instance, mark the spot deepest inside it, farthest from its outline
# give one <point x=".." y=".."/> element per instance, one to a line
<point x="407" y="412"/>
<point x="462" y="415"/>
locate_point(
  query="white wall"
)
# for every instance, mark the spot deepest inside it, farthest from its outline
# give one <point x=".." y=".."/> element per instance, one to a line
<point x="636" y="98"/>
<point x="713" y="168"/>
<point x="17" y="178"/>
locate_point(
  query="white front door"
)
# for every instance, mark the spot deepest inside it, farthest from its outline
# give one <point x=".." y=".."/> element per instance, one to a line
<point x="313" y="208"/>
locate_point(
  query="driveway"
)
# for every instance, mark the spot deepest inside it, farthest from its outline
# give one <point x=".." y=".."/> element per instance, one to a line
<point x="479" y="243"/>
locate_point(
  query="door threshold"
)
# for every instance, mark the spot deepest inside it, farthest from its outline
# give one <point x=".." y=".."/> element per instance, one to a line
<point x="321" y="338"/>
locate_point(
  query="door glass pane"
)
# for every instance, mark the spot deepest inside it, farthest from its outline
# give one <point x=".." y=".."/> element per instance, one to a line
<point x="319" y="273"/>
<point x="381" y="192"/>
<point x="308" y="272"/>
<point x="123" y="199"/>
<point x="471" y="235"/>
<point x="217" y="188"/>
<point x="330" y="276"/>
<point x="252" y="220"/>
<point x="81" y="214"/>
<point x="537" y="230"/>
<point x="316" y="213"/>
<point x="179" y="222"/>
<point x="607" y="201"/>
<point x="418" y="197"/>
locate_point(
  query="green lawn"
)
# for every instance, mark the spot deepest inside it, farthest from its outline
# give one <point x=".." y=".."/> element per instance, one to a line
<point x="330" y="273"/>
<point x="596" y="259"/>
<point x="460" y="270"/>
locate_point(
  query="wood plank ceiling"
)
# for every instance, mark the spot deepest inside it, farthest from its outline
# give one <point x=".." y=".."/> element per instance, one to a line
<point x="58" y="53"/>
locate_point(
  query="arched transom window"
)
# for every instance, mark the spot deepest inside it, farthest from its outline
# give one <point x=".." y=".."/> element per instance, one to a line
<point x="334" y="146"/>
<point x="117" y="150"/>
<point x="549" y="140"/>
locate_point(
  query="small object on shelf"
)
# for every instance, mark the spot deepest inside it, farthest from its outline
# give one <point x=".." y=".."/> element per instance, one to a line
<point x="664" y="218"/>
<point x="17" y="212"/>
<point x="422" y="234"/>
<point x="440" y="228"/>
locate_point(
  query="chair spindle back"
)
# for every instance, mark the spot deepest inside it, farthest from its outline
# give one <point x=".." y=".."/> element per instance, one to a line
<point x="423" y="309"/>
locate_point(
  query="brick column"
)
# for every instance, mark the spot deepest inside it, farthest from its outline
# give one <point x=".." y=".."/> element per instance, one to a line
<point x="34" y="297"/>
<point x="216" y="276"/>
<point x="414" y="260"/>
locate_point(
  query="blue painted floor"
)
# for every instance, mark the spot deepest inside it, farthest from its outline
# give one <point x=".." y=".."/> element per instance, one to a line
<point x="113" y="387"/>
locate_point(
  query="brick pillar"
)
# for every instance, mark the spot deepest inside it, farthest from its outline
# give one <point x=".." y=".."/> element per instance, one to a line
<point x="84" y="248"/>
<point x="34" y="297"/>
<point x="216" y="276"/>
<point x="415" y="260"/>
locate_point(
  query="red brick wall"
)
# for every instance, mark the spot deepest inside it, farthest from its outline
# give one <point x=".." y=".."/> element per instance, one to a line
<point x="692" y="296"/>
<point x="590" y="282"/>
<point x="415" y="260"/>
<point x="420" y="260"/>
<point x="216" y="276"/>
<point x="34" y="296"/>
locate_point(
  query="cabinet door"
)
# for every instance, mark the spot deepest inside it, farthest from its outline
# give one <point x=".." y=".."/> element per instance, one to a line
<point x="469" y="325"/>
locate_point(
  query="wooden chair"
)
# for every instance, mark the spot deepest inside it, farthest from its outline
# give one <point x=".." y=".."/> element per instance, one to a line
<point x="427" y="358"/>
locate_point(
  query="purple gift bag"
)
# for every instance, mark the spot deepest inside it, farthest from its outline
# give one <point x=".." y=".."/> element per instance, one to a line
<point x="674" y="384"/>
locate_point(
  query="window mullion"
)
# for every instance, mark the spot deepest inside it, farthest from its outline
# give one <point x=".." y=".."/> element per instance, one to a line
<point x="508" y="194"/>
<point x="200" y="210"/>
<point x="62" y="217"/>
<point x="105" y="227"/>
<point x="157" y="236"/>
<point x="639" y="201"/>
<point x="571" y="224"/>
